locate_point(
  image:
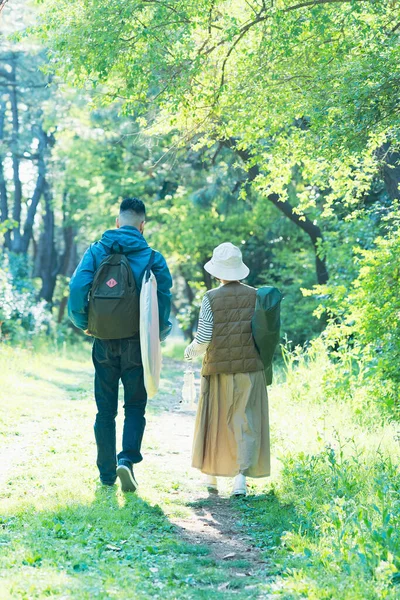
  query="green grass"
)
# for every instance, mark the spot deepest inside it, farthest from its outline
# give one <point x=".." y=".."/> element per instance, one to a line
<point x="174" y="348"/>
<point x="329" y="521"/>
<point x="326" y="523"/>
<point x="63" y="535"/>
<point x="103" y="546"/>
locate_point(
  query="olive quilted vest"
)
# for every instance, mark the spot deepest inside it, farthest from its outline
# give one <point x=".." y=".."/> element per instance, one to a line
<point x="232" y="348"/>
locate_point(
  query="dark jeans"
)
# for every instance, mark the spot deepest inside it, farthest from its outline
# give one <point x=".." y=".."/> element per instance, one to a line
<point x="114" y="360"/>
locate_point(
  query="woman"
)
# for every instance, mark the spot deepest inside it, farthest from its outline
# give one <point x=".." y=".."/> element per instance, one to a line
<point x="232" y="429"/>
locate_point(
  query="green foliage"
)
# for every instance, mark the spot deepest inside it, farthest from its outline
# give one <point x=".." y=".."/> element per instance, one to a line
<point x="308" y="84"/>
<point x="327" y="526"/>
<point x="99" y="160"/>
<point x="330" y="526"/>
<point x="347" y="509"/>
<point x="104" y="549"/>
<point x="329" y="522"/>
<point x="22" y="316"/>
<point x="375" y="311"/>
<point x="173" y="349"/>
<point x="60" y="539"/>
<point x="361" y="307"/>
<point x="304" y="91"/>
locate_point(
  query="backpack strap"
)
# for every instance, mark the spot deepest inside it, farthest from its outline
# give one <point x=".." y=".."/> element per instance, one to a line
<point x="93" y="257"/>
<point x="147" y="270"/>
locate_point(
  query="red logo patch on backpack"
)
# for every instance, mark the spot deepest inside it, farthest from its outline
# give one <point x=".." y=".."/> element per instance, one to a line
<point x="111" y="282"/>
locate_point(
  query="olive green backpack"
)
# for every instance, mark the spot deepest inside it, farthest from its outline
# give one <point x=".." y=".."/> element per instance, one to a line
<point x="114" y="299"/>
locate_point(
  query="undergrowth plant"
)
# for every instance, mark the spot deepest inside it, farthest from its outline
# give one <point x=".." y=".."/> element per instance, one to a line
<point x="339" y="482"/>
<point x="348" y="513"/>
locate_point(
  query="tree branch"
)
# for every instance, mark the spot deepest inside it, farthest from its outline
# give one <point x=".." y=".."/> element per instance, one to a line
<point x="303" y="222"/>
<point x="168" y="6"/>
<point x="395" y="28"/>
<point x="5" y="74"/>
<point x="2" y="4"/>
<point x="261" y="17"/>
<point x="312" y="3"/>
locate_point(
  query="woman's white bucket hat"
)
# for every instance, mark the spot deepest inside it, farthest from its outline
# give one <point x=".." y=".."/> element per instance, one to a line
<point x="227" y="263"/>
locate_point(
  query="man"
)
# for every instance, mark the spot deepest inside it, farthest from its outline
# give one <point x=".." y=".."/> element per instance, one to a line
<point x="117" y="359"/>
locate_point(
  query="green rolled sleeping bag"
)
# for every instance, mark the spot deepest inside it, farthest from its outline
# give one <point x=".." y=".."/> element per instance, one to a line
<point x="266" y="326"/>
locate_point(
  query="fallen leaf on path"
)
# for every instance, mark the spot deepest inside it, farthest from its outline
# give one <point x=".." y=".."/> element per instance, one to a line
<point x="112" y="547"/>
<point x="228" y="556"/>
<point x="223" y="586"/>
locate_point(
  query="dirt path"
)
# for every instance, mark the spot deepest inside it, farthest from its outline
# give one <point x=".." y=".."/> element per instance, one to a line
<point x="213" y="525"/>
<point x="212" y="520"/>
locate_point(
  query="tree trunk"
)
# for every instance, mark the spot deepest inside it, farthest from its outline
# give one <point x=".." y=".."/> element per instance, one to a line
<point x="47" y="254"/>
<point x="188" y="331"/>
<point x="37" y="193"/>
<point x="390" y="170"/>
<point x="16" y="240"/>
<point x="61" y="309"/>
<point x="69" y="258"/>
<point x="312" y="230"/>
<point x="14" y="146"/>
<point x="207" y="279"/>
<point x="3" y="186"/>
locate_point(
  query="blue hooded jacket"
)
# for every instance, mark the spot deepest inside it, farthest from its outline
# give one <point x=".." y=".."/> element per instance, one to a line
<point x="138" y="253"/>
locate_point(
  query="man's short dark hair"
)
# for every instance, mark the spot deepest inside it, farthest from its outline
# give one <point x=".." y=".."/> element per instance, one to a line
<point x="133" y="205"/>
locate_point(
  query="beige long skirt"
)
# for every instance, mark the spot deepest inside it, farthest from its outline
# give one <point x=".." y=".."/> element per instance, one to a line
<point x="232" y="426"/>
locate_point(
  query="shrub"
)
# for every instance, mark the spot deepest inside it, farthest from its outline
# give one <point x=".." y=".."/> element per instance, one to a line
<point x="363" y="333"/>
<point x="347" y="505"/>
<point x="375" y="313"/>
<point x="22" y="315"/>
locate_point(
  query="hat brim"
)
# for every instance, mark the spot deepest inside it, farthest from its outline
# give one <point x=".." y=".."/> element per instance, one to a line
<point x="225" y="273"/>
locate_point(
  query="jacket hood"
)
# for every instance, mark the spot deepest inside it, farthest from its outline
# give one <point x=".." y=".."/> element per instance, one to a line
<point x="129" y="238"/>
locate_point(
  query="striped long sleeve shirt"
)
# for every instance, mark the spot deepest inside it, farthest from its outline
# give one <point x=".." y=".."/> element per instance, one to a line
<point x="204" y="331"/>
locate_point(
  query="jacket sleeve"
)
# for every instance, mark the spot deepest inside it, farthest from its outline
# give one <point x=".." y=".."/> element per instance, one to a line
<point x="164" y="285"/>
<point x="79" y="288"/>
<point x="204" y="331"/>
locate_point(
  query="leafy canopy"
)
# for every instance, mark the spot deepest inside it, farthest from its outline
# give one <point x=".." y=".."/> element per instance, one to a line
<point x="309" y="83"/>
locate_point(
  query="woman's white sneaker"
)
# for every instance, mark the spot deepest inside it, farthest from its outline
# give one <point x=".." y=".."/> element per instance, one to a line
<point x="239" y="485"/>
<point x="211" y="484"/>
